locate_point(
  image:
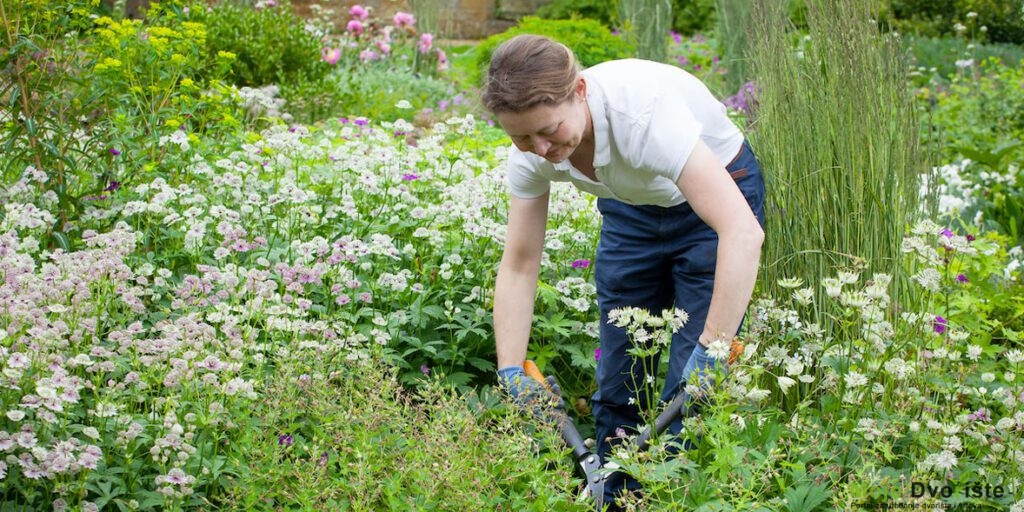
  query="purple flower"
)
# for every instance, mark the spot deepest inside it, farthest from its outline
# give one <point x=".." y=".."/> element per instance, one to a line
<point x="962" y="278"/>
<point x="578" y="264"/>
<point x="115" y="151"/>
<point x="361" y="121"/>
<point x="946" y="233"/>
<point x="424" y="369"/>
<point x="980" y="415"/>
<point x="114" y="185"/>
<point x="939" y="324"/>
<point x="409" y="177"/>
<point x="285" y="440"/>
<point x="597" y="354"/>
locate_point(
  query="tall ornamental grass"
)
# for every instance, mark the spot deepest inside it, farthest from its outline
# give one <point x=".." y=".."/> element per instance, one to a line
<point x="646" y="22"/>
<point x="837" y="132"/>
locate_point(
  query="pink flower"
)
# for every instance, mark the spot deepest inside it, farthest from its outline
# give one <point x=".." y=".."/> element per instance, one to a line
<point x="358" y="12"/>
<point x="426" y="41"/>
<point x="330" y="55"/>
<point x="367" y="55"/>
<point x="384" y="47"/>
<point x="442" y="60"/>
<point x="355" y="27"/>
<point x="404" y="19"/>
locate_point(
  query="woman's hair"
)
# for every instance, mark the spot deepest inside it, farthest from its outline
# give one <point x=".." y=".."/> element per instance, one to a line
<point x="527" y="71"/>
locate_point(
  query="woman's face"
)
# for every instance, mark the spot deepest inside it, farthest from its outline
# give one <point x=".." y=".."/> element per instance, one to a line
<point x="553" y="132"/>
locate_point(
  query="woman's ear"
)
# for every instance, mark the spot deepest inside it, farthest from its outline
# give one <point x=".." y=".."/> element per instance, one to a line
<point x="581" y="88"/>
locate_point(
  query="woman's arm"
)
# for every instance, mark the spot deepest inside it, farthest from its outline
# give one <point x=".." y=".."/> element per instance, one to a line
<point x="516" y="284"/>
<point x="717" y="200"/>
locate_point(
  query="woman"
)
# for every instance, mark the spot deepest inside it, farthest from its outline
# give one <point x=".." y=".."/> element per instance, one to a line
<point x="680" y="193"/>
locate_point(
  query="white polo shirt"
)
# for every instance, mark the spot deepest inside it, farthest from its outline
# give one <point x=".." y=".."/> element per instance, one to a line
<point x="647" y="118"/>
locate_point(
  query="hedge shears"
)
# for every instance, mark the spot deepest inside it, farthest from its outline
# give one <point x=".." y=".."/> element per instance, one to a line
<point x="681" y="406"/>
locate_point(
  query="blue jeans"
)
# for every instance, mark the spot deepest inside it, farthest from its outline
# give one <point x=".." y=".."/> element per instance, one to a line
<point x="654" y="258"/>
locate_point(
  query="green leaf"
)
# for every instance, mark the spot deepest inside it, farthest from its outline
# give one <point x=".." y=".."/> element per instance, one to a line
<point x="806" y="498"/>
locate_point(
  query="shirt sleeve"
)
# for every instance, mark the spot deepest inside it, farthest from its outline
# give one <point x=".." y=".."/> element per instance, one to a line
<point x="523" y="179"/>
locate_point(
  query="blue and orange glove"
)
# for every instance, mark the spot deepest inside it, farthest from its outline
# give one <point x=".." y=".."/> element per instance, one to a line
<point x="528" y="392"/>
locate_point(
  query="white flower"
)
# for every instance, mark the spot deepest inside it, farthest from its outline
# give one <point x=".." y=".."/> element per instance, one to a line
<point x="719" y="349"/>
<point x="1015" y="356"/>
<point x="833" y="286"/>
<point x="15" y="415"/>
<point x="847" y="277"/>
<point x="793" y="282"/>
<point x="804" y="296"/>
<point x="854" y="379"/>
<point x="785" y="383"/>
<point x="757" y="395"/>
<point x="403" y="104"/>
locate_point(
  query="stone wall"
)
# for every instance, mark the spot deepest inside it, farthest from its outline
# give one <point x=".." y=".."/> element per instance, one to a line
<point x="455" y="19"/>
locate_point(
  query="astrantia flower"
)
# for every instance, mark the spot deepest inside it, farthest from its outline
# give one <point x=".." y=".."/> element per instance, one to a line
<point x="719" y="349"/>
<point x="793" y="282"/>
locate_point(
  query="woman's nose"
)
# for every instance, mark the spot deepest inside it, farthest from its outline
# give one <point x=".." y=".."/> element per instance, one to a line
<point x="540" y="145"/>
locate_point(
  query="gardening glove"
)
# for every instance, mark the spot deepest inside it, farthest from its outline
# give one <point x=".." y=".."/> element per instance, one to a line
<point x="528" y="393"/>
<point x="701" y="368"/>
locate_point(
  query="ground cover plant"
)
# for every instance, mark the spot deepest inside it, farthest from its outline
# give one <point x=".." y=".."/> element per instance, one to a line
<point x="204" y="306"/>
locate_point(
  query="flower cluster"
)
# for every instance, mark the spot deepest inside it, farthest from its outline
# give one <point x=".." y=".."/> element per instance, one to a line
<point x="372" y="40"/>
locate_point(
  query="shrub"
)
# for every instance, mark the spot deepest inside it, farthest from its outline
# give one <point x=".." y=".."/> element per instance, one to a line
<point x="592" y="42"/>
<point x="688" y="16"/>
<point x="271" y="44"/>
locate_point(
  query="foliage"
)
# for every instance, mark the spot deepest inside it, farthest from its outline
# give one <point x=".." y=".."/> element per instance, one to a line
<point x="589" y="40"/>
<point x="936" y="57"/>
<point x="351" y="438"/>
<point x="149" y="85"/>
<point x="689" y="17"/>
<point x="1002" y="19"/>
<point x="837" y="129"/>
<point x="271" y="44"/>
<point x="248" y="313"/>
<point x="978" y="123"/>
<point x="840" y="401"/>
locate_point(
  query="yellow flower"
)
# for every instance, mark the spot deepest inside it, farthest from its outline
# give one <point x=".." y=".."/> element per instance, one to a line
<point x="172" y="123"/>
<point x="226" y="55"/>
<point x="187" y="82"/>
<point x="178" y="59"/>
